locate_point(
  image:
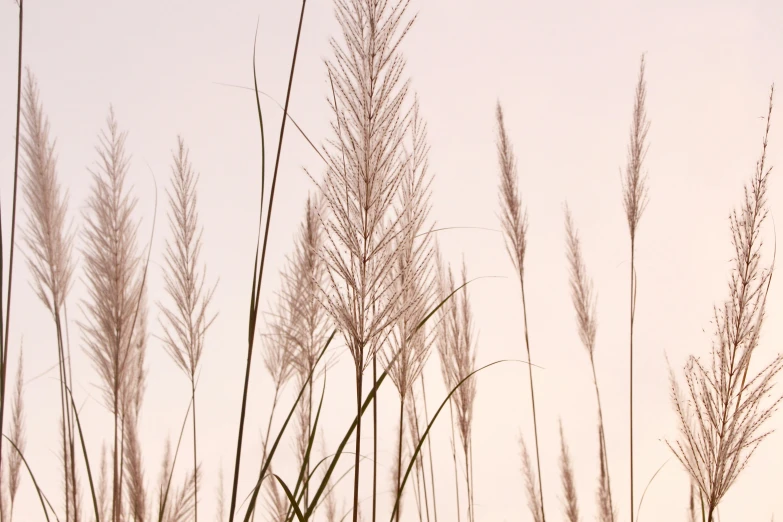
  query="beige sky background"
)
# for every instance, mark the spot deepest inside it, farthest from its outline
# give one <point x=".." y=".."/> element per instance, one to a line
<point x="565" y="73"/>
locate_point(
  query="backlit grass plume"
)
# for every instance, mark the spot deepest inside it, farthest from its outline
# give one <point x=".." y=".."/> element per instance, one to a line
<point x="187" y="316"/>
<point x="365" y="166"/>
<point x="513" y="221"/>
<point x="48" y="243"/>
<point x="413" y="278"/>
<point x="726" y="403"/>
<point x="584" y="302"/>
<point x="457" y="349"/>
<point x="114" y="283"/>
<point x="634" y="203"/>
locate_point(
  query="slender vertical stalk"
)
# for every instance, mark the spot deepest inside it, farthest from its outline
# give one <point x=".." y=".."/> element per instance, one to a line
<point x="630" y="374"/>
<point x="532" y="398"/>
<point x="514" y="224"/>
<point x="399" y="456"/>
<point x="195" y="449"/>
<point x="358" y="445"/>
<point x="4" y="336"/>
<point x="634" y="202"/>
<point x="429" y="449"/>
<point x="260" y="273"/>
<point x="374" y="440"/>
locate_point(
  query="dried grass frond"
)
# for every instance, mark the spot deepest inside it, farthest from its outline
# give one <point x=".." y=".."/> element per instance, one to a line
<point x="413" y="276"/>
<point x="606" y="511"/>
<point x="182" y="503"/>
<point x="635" y="195"/>
<point x="514" y="224"/>
<point x="570" y="504"/>
<point x="276" y="502"/>
<point x="722" y="417"/>
<point x="17" y="434"/>
<point x="584" y="301"/>
<point x="48" y="239"/>
<point x="103" y="486"/>
<point x="457" y="350"/>
<point x="366" y="164"/>
<point x="513" y="215"/>
<point x="582" y="295"/>
<point x="134" y="471"/>
<point x="301" y="322"/>
<point x="187" y="320"/>
<point x="531" y="484"/>
<point x="114" y="282"/>
<point x="111" y="265"/>
<point x="220" y="510"/>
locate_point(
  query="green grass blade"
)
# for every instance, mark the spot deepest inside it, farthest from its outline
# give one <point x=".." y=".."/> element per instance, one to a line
<point x="292" y="500"/>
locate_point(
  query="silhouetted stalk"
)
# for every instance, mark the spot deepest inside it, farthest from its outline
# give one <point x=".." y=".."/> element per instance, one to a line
<point x="634" y="202"/>
<point x="257" y="288"/>
<point x="374" y="440"/>
<point x="429" y="449"/>
<point x="399" y="453"/>
<point x="4" y="336"/>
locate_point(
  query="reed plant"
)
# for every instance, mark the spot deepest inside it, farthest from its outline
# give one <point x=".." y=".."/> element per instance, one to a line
<point x="365" y="268"/>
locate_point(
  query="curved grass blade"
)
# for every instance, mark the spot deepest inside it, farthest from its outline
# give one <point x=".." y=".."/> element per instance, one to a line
<point x="256" y="290"/>
<point x="639" y="509"/>
<point x="280" y="106"/>
<point x="265" y="466"/>
<point x="429" y="427"/>
<point x="35" y="483"/>
<point x="291" y="499"/>
<point x="370" y="398"/>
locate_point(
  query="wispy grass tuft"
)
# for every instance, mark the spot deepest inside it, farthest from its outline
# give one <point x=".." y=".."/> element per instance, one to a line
<point x="48" y="242"/>
<point x="514" y="224"/>
<point x="365" y="166"/>
<point x="725" y="409"/>
<point x="570" y="503"/>
<point x="114" y="284"/>
<point x="187" y="319"/>
<point x="584" y="301"/>
<point x="634" y="202"/>
<point x="457" y="350"/>
<point x="531" y="486"/>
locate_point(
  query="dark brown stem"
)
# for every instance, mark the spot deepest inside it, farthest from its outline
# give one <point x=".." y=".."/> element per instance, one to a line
<point x="358" y="442"/>
<point x="256" y="290"/>
<point x="399" y="458"/>
<point x="633" y="292"/>
<point x="4" y="338"/>
<point x="374" y="440"/>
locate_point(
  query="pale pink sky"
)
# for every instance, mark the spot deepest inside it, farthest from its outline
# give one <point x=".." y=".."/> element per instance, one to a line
<point x="565" y="73"/>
